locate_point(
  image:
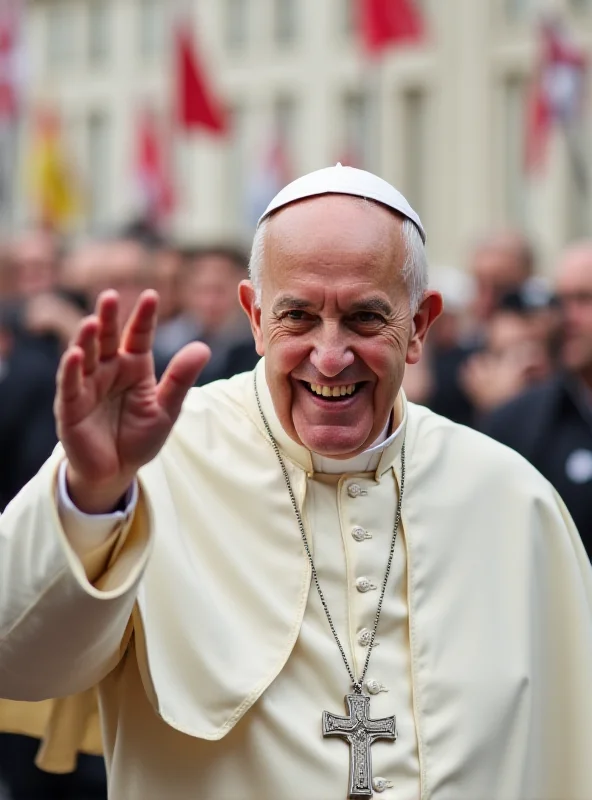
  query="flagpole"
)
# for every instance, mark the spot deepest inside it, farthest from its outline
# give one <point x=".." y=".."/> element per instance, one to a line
<point x="373" y="90"/>
<point x="577" y="159"/>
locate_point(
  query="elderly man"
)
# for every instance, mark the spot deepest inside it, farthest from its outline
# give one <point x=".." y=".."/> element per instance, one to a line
<point x="300" y="535"/>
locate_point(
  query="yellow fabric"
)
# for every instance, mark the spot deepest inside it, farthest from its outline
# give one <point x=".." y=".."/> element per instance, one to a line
<point x="65" y="728"/>
<point x="485" y="641"/>
<point x="55" y="195"/>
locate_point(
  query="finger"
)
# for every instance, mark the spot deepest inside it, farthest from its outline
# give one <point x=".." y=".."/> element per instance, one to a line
<point x="180" y="376"/>
<point x="69" y="378"/>
<point x="138" y="335"/>
<point x="109" y="333"/>
<point x="87" y="340"/>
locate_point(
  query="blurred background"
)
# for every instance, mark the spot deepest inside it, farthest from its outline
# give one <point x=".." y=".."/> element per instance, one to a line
<point x="140" y="140"/>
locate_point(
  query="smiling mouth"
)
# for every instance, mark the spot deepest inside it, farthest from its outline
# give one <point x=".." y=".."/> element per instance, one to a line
<point x="334" y="393"/>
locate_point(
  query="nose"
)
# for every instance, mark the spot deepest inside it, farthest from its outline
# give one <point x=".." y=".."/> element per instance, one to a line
<point x="331" y="353"/>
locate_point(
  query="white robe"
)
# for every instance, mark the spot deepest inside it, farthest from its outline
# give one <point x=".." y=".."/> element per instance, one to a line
<point x="215" y="688"/>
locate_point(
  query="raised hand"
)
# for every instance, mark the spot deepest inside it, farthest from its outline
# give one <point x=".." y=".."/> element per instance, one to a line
<point x="112" y="416"/>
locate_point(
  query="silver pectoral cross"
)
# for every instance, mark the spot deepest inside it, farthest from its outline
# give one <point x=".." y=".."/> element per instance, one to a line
<point x="360" y="732"/>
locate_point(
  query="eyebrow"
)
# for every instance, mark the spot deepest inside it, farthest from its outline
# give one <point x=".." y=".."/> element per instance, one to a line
<point x="377" y="304"/>
<point x="288" y="301"/>
<point x="373" y="304"/>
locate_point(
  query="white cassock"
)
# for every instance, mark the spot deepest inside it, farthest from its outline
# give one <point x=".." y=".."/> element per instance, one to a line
<point x="215" y="661"/>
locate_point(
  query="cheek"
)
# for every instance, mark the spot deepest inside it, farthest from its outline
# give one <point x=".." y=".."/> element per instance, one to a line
<point x="284" y="352"/>
<point x="384" y="357"/>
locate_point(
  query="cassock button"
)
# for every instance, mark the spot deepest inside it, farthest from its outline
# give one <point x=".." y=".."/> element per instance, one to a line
<point x="365" y="585"/>
<point x="355" y="490"/>
<point x="360" y="534"/>
<point x="375" y="687"/>
<point x="381" y="784"/>
<point x="365" y="637"/>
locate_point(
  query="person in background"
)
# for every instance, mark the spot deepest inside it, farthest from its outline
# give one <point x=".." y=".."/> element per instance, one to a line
<point x="44" y="297"/>
<point x="27" y="388"/>
<point x="210" y="297"/>
<point x="500" y="264"/>
<point x="551" y="424"/>
<point x="127" y="267"/>
<point x="175" y="328"/>
<point x="36" y="254"/>
<point x="519" y="351"/>
<point x="434" y="380"/>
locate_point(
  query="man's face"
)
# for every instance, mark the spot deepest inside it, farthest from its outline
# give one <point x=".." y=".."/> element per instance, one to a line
<point x="497" y="269"/>
<point x="34" y="256"/>
<point x="335" y="324"/>
<point x="574" y="293"/>
<point x="125" y="270"/>
<point x="210" y="291"/>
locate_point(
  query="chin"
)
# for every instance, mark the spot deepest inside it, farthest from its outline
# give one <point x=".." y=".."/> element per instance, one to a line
<point x="331" y="445"/>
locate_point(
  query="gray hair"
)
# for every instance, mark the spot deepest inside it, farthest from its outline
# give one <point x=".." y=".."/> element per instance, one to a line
<point x="415" y="268"/>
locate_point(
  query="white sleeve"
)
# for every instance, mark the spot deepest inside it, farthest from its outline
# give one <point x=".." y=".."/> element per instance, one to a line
<point x="59" y="606"/>
<point x="86" y="532"/>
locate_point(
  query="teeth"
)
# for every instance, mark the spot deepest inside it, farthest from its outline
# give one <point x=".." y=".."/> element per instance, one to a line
<point x="332" y="391"/>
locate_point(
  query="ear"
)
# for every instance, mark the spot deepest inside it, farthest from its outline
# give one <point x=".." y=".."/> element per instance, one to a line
<point x="428" y="312"/>
<point x="247" y="299"/>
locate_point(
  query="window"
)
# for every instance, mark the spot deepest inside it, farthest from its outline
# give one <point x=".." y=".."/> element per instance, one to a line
<point x="236" y="24"/>
<point x="151" y="29"/>
<point x="98" y="154"/>
<point x="99" y="12"/>
<point x="415" y="142"/>
<point x="356" y="113"/>
<point x="284" y="115"/>
<point x="515" y="109"/>
<point x="580" y="6"/>
<point x="60" y="35"/>
<point x="517" y="10"/>
<point x="285" y="126"/>
<point x="285" y="21"/>
<point x="238" y="197"/>
<point x="348" y="14"/>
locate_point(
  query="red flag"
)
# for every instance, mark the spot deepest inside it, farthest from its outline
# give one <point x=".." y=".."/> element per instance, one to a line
<point x="557" y="93"/>
<point x="10" y="57"/>
<point x="196" y="105"/>
<point x="386" y="22"/>
<point x="152" y="169"/>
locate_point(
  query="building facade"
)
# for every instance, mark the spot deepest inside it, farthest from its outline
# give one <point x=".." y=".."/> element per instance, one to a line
<point x="444" y="121"/>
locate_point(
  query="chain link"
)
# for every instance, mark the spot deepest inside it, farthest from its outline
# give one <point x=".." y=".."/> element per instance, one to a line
<point x="357" y="684"/>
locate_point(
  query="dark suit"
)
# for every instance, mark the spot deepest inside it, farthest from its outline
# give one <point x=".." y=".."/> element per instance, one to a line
<point x="27" y="427"/>
<point x="551" y="426"/>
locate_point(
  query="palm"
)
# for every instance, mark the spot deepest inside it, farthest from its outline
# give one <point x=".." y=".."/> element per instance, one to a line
<point x="112" y="415"/>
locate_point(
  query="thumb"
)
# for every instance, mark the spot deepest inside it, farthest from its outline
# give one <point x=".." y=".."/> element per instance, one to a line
<point x="180" y="376"/>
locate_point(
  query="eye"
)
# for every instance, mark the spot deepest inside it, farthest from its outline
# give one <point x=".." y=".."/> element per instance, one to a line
<point x="296" y="315"/>
<point x="368" y="317"/>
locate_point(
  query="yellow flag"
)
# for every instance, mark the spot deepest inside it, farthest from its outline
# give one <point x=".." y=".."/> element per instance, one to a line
<point x="54" y="193"/>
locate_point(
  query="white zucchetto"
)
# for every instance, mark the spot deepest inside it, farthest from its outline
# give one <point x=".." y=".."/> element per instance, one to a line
<point x="344" y="180"/>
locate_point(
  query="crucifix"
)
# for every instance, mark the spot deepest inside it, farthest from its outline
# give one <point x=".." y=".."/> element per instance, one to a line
<point x="360" y="732"/>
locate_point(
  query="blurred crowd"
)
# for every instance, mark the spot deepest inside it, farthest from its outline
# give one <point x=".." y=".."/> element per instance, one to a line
<point x="46" y="289"/>
<point x="511" y="356"/>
